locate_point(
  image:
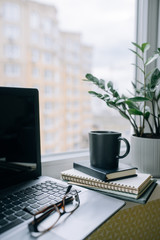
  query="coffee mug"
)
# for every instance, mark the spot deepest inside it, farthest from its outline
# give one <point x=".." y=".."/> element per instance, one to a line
<point x="104" y="149"/>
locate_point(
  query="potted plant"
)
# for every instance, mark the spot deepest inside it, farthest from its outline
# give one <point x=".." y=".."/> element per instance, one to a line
<point x="141" y="109"/>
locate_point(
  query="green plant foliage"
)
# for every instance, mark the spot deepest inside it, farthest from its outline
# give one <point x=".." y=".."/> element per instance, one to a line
<point x="146" y="93"/>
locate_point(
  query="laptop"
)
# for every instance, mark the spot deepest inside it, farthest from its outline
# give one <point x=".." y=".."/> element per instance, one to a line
<point x="21" y="183"/>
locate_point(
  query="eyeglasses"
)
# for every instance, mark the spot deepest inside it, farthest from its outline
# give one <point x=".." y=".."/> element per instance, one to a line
<point x="46" y="218"/>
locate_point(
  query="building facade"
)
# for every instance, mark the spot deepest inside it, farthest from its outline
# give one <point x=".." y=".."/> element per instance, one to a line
<point x="35" y="53"/>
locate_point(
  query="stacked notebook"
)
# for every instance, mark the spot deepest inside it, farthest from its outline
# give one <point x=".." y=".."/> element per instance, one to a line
<point x="124" y="183"/>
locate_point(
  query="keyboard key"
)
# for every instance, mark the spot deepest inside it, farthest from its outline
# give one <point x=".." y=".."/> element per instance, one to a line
<point x="38" y="193"/>
<point x="3" y="222"/>
<point x="45" y="190"/>
<point x="35" y="206"/>
<point x="20" y="213"/>
<point x="10" y="205"/>
<point x="8" y="212"/>
<point x="44" y="201"/>
<point x="31" y="201"/>
<point x="43" y="195"/>
<point x="10" y="225"/>
<point x="27" y="216"/>
<point x="23" y="205"/>
<point x="17" y="208"/>
<point x="11" y="217"/>
<point x="16" y="203"/>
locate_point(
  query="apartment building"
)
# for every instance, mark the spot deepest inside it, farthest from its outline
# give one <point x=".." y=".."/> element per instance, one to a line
<point x="35" y="53"/>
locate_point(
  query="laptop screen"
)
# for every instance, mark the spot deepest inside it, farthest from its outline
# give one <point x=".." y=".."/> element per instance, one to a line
<point x="19" y="135"/>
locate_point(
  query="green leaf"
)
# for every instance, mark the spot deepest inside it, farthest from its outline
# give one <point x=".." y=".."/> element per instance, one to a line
<point x="145" y="47"/>
<point x="138" y="67"/>
<point x="151" y="59"/>
<point x="139" y="99"/>
<point x="138" y="55"/>
<point x="158" y="50"/>
<point x="134" y="85"/>
<point x="93" y="93"/>
<point x="110" y="85"/>
<point x="155" y="78"/>
<point x="131" y="104"/>
<point x="102" y="84"/>
<point x="133" y="111"/>
<point x="111" y="104"/>
<point x="91" y="78"/>
<point x="115" y="94"/>
<point x="138" y="46"/>
<point x="120" y="101"/>
<point x="146" y="115"/>
<point x="106" y="96"/>
<point x="124" y="115"/>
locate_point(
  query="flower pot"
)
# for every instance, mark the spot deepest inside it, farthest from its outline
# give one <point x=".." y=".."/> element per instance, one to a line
<point x="145" y="154"/>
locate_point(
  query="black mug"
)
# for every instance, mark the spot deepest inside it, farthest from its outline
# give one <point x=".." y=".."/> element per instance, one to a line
<point x="104" y="149"/>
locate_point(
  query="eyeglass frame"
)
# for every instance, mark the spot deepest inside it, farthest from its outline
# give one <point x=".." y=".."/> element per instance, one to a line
<point x="46" y="211"/>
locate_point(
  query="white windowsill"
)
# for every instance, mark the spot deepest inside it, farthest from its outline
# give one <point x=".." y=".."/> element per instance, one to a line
<point x="54" y="164"/>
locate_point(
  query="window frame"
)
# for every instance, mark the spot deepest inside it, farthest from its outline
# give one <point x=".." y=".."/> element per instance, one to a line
<point x="147" y="17"/>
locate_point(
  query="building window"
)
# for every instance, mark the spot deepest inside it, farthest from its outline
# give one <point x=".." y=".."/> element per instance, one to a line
<point x="11" y="12"/>
<point x="35" y="55"/>
<point x="12" y="70"/>
<point x="47" y="58"/>
<point x="48" y="75"/>
<point x="47" y="42"/>
<point x="35" y="72"/>
<point x="48" y="91"/>
<point x="11" y="31"/>
<point x="48" y="107"/>
<point x="34" y="20"/>
<point x="47" y="25"/>
<point x="35" y="38"/>
<point x="12" y="51"/>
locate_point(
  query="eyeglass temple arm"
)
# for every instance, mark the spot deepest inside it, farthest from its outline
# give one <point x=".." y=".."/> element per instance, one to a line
<point x="68" y="189"/>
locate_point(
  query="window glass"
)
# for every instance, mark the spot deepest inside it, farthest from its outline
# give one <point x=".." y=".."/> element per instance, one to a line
<point x="61" y="41"/>
<point x="34" y="20"/>
<point x="11" y="51"/>
<point x="11" y="11"/>
<point x="12" y="70"/>
<point x="11" y="31"/>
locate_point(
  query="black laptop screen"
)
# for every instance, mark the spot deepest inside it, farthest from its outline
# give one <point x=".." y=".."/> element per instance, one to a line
<point x="19" y="135"/>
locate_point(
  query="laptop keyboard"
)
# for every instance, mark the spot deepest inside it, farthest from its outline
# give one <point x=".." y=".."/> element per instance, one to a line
<point x="34" y="198"/>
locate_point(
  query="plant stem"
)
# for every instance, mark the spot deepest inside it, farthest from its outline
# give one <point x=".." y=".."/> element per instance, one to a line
<point x="151" y="129"/>
<point x="144" y="77"/>
<point x="155" y="123"/>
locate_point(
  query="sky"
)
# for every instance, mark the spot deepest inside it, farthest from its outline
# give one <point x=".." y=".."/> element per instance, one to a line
<point x="109" y="27"/>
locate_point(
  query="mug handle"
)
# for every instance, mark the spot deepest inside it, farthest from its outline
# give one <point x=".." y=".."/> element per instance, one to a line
<point x="127" y="147"/>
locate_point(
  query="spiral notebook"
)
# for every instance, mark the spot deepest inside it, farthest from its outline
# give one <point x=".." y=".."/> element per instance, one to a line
<point x="133" y="185"/>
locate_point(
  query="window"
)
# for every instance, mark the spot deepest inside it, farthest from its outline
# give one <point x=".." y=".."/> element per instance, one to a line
<point x="48" y="74"/>
<point x="60" y="44"/>
<point x="35" y="72"/>
<point x="48" y="91"/>
<point x="34" y="20"/>
<point x="47" y="25"/>
<point x="47" y="42"/>
<point x="11" y="31"/>
<point x="47" y="57"/>
<point x="35" y="38"/>
<point x="11" y="11"/>
<point x="12" y="51"/>
<point x="12" y="70"/>
<point x="35" y="55"/>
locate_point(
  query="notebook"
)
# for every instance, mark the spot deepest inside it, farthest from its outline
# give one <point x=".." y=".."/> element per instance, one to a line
<point x="132" y="185"/>
<point x="136" y="189"/>
<point x="122" y="171"/>
<point x="21" y="182"/>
